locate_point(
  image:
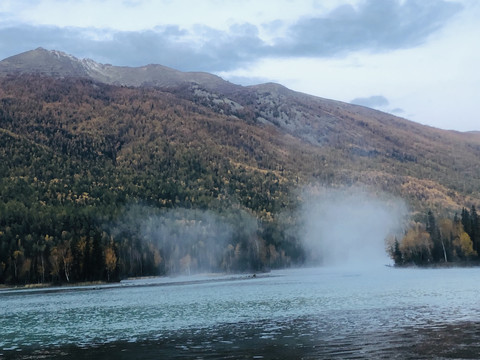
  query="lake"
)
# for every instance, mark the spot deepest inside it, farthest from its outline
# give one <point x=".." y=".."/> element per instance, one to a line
<point x="315" y="313"/>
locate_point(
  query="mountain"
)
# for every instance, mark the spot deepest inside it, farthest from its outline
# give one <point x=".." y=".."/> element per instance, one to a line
<point x="59" y="64"/>
<point x="92" y="153"/>
<point x="430" y="167"/>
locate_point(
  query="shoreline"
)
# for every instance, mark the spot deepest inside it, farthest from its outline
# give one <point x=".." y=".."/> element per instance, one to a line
<point x="442" y="265"/>
<point x="39" y="286"/>
<point x="140" y="281"/>
<point x="179" y="279"/>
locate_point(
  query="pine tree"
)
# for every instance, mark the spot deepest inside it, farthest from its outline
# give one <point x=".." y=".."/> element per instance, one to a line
<point x="397" y="254"/>
<point x="438" y="251"/>
<point x="475" y="228"/>
<point x="467" y="222"/>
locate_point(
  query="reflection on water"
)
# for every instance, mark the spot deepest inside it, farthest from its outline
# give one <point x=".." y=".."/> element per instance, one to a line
<point x="315" y="313"/>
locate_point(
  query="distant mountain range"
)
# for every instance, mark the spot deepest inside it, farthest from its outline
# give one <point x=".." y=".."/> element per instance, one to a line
<point x="295" y="136"/>
<point x="59" y="64"/>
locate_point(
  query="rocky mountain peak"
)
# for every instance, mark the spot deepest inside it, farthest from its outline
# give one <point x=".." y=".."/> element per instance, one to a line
<point x="60" y="64"/>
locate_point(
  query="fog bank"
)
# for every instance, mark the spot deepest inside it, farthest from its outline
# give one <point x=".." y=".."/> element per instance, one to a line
<point x="188" y="241"/>
<point x="348" y="227"/>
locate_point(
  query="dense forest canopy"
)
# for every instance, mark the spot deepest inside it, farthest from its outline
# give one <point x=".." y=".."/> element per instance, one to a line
<point x="101" y="182"/>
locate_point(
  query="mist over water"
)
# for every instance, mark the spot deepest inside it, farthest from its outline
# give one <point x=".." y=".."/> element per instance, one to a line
<point x="335" y="227"/>
<point x="349" y="227"/>
<point x="188" y="241"/>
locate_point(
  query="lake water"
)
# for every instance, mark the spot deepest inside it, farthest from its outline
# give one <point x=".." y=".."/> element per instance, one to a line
<point x="316" y="313"/>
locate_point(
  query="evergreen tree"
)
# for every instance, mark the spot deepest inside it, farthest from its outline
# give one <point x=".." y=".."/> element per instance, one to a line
<point x="438" y="250"/>
<point x="97" y="259"/>
<point x="467" y="222"/>
<point x="397" y="254"/>
<point x="475" y="229"/>
<point x="456" y="220"/>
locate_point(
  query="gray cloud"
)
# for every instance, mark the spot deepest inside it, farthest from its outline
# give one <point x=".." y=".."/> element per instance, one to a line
<point x="372" y="101"/>
<point x="397" y="111"/>
<point x="379" y="102"/>
<point x="248" y="80"/>
<point x="376" y="25"/>
<point x="164" y="45"/>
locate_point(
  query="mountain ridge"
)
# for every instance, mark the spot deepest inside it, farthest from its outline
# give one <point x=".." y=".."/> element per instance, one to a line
<point x="60" y="64"/>
<point x="363" y="141"/>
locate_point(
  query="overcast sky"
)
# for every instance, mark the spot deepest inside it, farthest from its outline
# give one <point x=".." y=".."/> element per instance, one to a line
<point x="418" y="59"/>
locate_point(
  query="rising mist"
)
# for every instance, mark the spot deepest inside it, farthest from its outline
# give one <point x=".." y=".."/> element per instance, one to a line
<point x="349" y="227"/>
<point x="188" y="241"/>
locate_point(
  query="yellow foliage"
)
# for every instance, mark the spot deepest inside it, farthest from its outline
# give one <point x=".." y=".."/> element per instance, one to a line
<point x="416" y="241"/>
<point x="464" y="244"/>
<point x="25" y="267"/>
<point x="110" y="259"/>
<point x="157" y="258"/>
<point x="54" y="260"/>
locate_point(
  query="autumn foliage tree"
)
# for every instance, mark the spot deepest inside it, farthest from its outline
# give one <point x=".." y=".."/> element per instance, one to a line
<point x="436" y="242"/>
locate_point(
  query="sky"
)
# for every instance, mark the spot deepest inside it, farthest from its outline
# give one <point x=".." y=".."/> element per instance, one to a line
<point x="417" y="59"/>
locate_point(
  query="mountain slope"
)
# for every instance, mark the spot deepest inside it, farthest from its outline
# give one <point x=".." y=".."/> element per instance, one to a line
<point x="90" y="167"/>
<point x="343" y="143"/>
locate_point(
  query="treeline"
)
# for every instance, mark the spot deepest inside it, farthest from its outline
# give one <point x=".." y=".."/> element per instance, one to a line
<point x="74" y="244"/>
<point x="440" y="241"/>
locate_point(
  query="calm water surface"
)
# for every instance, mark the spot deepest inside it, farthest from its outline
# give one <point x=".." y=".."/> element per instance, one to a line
<point x="292" y="314"/>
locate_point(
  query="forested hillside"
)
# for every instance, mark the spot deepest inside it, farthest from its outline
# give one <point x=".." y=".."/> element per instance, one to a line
<point x="77" y="156"/>
<point x="101" y="181"/>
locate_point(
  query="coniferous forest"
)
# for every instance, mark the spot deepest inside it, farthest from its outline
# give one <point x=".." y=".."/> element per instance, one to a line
<point x="101" y="182"/>
<point x="444" y="241"/>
